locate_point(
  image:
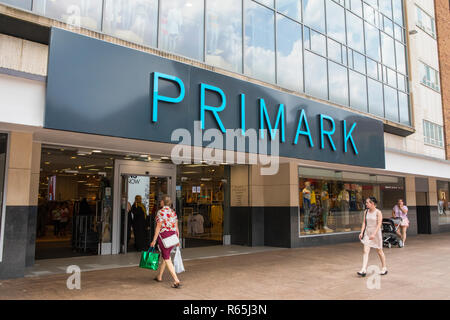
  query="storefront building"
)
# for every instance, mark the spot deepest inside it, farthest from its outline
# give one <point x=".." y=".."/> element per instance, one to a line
<point x="267" y="124"/>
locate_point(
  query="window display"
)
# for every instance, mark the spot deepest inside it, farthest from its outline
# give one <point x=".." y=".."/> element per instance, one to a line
<point x="333" y="201"/>
<point x="201" y="202"/>
<point x="443" y="203"/>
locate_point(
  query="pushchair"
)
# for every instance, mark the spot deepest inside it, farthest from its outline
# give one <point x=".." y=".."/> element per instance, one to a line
<point x="389" y="232"/>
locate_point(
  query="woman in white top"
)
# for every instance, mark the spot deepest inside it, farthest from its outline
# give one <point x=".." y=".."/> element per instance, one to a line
<point x="370" y="235"/>
<point x="401" y="211"/>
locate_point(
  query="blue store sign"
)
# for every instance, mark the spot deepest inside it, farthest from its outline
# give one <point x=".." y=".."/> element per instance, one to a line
<point x="101" y="88"/>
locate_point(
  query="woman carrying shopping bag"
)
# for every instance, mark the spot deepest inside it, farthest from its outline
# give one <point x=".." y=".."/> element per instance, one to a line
<point x="167" y="235"/>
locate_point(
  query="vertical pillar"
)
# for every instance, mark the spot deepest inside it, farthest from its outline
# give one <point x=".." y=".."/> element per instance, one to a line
<point x="410" y="194"/>
<point x="20" y="214"/>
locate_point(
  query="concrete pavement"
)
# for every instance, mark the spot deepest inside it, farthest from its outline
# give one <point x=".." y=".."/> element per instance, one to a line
<point x="418" y="271"/>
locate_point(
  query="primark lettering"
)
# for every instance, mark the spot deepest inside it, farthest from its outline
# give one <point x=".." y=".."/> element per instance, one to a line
<point x="327" y="125"/>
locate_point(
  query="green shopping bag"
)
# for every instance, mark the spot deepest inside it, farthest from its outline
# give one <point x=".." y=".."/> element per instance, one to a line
<point x="149" y="259"/>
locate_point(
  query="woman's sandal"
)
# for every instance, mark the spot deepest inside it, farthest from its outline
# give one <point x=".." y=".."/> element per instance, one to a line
<point x="157" y="280"/>
<point x="176" y="285"/>
<point x="362" y="274"/>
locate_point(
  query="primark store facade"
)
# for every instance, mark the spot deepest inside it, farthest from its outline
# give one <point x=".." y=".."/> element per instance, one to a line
<point x="234" y="108"/>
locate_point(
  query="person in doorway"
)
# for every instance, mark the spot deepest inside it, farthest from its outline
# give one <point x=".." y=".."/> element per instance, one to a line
<point x="401" y="211"/>
<point x="166" y="225"/>
<point x="56" y="218"/>
<point x="84" y="210"/>
<point x="139" y="214"/>
<point x="64" y="219"/>
<point x="41" y="218"/>
<point x="370" y="235"/>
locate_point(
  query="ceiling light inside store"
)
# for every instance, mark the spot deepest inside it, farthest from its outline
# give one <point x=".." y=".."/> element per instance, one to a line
<point x="46" y="162"/>
<point x="97" y="151"/>
<point x="70" y="171"/>
<point x="165" y="158"/>
<point x="206" y="179"/>
<point x="84" y="152"/>
<point x="73" y="157"/>
<point x="93" y="169"/>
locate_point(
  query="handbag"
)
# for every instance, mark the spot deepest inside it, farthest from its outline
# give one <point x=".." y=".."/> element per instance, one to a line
<point x="178" y="261"/>
<point x="149" y="259"/>
<point x="170" y="241"/>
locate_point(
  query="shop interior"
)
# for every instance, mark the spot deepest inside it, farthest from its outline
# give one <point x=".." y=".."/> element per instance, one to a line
<point x="71" y="198"/>
<point x="75" y="203"/>
<point x="201" y="193"/>
<point x="333" y="201"/>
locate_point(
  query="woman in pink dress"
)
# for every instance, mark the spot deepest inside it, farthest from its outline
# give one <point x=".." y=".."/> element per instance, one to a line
<point x="401" y="211"/>
<point x="166" y="225"/>
<point x="370" y="235"/>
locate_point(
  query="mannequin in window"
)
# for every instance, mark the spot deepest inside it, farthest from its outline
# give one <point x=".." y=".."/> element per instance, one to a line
<point x="344" y="199"/>
<point x="325" y="200"/>
<point x="441" y="204"/>
<point x="174" y="23"/>
<point x="307" y="204"/>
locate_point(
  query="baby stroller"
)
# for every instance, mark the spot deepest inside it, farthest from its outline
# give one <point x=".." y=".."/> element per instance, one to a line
<point x="390" y="227"/>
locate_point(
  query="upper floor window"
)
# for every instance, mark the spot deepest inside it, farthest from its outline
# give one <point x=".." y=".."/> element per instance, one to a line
<point x="433" y="134"/>
<point x="425" y="22"/>
<point x="429" y="77"/>
<point x="24" y="4"/>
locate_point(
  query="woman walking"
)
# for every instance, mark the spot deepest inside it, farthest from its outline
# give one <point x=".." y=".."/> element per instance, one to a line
<point x="370" y="235"/>
<point x="401" y="211"/>
<point x="166" y="226"/>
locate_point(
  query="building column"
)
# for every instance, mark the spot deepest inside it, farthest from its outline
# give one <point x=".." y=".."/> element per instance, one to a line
<point x="262" y="206"/>
<point x="21" y="209"/>
<point x="411" y="203"/>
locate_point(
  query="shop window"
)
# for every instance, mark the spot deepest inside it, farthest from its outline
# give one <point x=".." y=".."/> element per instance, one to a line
<point x="259" y="44"/>
<point x="201" y="191"/>
<point x="135" y="21"/>
<point x="333" y="201"/>
<point x="224" y="34"/>
<point x="78" y="13"/>
<point x="24" y="4"/>
<point x="289" y="54"/>
<point x="181" y="27"/>
<point x="443" y="202"/>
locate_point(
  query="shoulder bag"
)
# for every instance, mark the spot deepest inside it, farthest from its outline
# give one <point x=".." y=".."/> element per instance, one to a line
<point x="170" y="241"/>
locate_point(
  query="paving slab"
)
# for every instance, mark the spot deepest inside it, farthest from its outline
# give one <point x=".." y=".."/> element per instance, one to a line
<point x="418" y="271"/>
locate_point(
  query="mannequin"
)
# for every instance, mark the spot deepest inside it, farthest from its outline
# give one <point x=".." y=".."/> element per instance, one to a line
<point x="307" y="204"/>
<point x="441" y="204"/>
<point x="325" y="199"/>
<point x="344" y="198"/>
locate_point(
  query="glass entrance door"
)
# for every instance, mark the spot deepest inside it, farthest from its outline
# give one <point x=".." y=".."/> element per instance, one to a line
<point x="140" y="201"/>
<point x="134" y="222"/>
